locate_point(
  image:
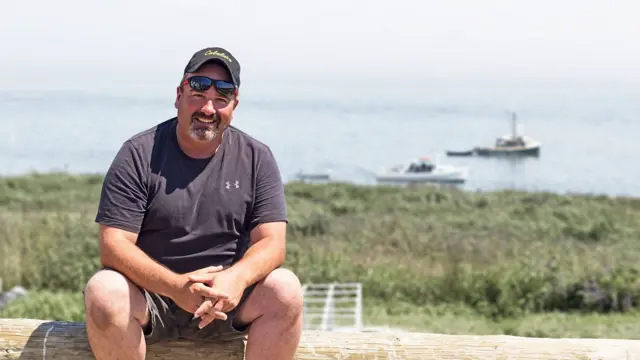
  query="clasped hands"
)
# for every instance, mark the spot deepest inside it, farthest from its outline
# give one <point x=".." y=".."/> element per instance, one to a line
<point x="209" y="293"/>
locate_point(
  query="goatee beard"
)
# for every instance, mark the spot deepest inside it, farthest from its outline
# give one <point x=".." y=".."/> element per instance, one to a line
<point x="204" y="127"/>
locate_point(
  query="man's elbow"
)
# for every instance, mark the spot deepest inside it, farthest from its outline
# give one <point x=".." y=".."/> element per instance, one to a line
<point x="281" y="252"/>
<point x="271" y="239"/>
<point x="108" y="252"/>
<point x="112" y="242"/>
<point x="281" y="257"/>
<point x="275" y="247"/>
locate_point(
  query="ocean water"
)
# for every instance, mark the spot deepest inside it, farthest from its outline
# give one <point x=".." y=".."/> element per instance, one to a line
<point x="589" y="130"/>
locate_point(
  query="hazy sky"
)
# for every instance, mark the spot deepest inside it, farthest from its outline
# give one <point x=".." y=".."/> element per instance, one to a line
<point x="318" y="39"/>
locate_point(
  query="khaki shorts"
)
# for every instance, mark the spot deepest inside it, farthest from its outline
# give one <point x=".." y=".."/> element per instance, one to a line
<point x="170" y="322"/>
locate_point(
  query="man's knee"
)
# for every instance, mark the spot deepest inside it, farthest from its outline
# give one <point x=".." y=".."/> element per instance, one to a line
<point x="111" y="299"/>
<point x="286" y="292"/>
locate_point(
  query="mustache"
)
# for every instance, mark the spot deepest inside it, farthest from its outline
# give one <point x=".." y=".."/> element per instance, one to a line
<point x="202" y="115"/>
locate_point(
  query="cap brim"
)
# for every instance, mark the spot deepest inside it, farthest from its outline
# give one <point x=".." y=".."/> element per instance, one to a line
<point x="194" y="67"/>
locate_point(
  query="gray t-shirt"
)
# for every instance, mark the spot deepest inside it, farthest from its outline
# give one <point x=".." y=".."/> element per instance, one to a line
<point x="191" y="213"/>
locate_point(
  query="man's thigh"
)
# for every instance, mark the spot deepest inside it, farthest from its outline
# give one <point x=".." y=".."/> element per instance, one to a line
<point x="161" y="324"/>
<point x="108" y="290"/>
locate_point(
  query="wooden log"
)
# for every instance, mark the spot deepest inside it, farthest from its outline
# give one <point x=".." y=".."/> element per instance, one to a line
<point x="27" y="339"/>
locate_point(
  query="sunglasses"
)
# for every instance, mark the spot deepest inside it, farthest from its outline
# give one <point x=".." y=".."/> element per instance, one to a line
<point x="203" y="83"/>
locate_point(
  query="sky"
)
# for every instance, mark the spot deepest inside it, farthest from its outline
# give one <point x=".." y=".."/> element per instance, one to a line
<point x="73" y="42"/>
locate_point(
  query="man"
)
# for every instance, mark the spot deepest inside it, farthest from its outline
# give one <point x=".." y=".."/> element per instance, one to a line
<point x="192" y="231"/>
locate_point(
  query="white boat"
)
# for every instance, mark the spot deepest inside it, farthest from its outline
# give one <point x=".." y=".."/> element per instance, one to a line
<point x="423" y="170"/>
<point x="313" y="176"/>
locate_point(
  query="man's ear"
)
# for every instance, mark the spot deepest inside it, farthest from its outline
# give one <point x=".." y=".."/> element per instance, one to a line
<point x="178" y="96"/>
<point x="236" y="99"/>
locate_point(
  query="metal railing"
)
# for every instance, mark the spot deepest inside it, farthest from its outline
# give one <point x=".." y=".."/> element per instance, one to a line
<point x="333" y="307"/>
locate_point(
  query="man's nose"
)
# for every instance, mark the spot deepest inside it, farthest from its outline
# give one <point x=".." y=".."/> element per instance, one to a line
<point x="208" y="108"/>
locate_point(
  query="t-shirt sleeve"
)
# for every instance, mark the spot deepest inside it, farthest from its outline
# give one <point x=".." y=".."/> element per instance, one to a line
<point x="269" y="202"/>
<point x="123" y="198"/>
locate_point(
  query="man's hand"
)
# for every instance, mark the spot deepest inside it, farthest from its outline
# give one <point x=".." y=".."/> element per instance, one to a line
<point x="211" y="285"/>
<point x="189" y="300"/>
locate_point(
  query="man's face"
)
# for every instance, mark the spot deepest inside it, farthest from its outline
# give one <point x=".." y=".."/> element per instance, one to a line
<point x="205" y="114"/>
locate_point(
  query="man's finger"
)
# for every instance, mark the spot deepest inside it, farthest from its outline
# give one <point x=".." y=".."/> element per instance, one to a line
<point x="201" y="278"/>
<point x="207" y="318"/>
<point x="206" y="291"/>
<point x="204" y="308"/>
<point x="218" y="304"/>
<point x="223" y="305"/>
<point x="208" y="270"/>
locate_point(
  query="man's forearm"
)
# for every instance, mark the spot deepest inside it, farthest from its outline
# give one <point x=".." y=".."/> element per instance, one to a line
<point x="260" y="259"/>
<point x="135" y="264"/>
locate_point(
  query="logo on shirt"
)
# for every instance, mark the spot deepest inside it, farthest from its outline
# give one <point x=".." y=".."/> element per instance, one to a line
<point x="229" y="184"/>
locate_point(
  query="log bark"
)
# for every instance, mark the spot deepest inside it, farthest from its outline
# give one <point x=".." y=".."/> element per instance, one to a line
<point x="28" y="339"/>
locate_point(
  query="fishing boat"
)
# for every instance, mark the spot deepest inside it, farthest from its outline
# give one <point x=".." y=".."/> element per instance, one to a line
<point x="423" y="171"/>
<point x="514" y="144"/>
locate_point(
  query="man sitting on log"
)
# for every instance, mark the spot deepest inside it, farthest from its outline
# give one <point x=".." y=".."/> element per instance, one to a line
<point x="192" y="232"/>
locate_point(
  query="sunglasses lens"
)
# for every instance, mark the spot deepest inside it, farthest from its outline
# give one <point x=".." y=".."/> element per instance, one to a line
<point x="203" y="83"/>
<point x="200" y="83"/>
<point x="224" y="87"/>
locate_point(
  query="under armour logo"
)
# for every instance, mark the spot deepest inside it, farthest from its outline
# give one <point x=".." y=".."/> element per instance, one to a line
<point x="235" y="184"/>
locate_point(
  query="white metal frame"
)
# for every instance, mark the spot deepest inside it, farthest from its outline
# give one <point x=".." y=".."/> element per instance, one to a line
<point x="333" y="307"/>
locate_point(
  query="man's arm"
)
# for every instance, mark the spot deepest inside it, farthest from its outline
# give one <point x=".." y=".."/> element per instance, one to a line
<point x="266" y="253"/>
<point x="118" y="251"/>
<point x="268" y="225"/>
<point x="123" y="202"/>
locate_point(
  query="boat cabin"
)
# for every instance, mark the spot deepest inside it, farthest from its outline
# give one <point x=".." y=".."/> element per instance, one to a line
<point x="510" y="141"/>
<point x="422" y="165"/>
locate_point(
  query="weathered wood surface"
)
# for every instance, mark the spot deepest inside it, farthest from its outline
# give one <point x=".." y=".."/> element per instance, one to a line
<point x="27" y="339"/>
<point x="38" y="339"/>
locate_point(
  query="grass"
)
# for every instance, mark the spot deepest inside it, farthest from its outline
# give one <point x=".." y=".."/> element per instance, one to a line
<point x="429" y="259"/>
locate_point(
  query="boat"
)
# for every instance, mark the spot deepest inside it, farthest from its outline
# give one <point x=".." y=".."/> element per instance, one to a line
<point x="460" y="153"/>
<point x="313" y="177"/>
<point x="523" y="146"/>
<point x="423" y="171"/>
<point x="513" y="144"/>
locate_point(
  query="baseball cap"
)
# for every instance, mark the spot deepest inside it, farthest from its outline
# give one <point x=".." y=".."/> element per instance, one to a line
<point x="219" y="55"/>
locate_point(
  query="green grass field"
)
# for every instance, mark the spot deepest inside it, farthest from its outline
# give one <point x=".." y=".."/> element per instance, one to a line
<point x="533" y="264"/>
